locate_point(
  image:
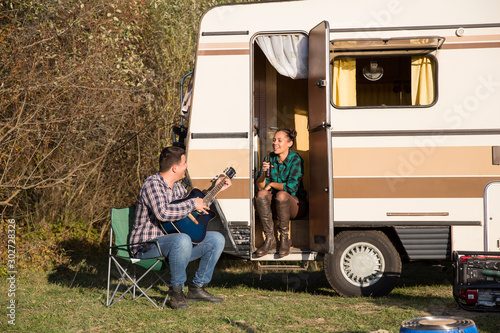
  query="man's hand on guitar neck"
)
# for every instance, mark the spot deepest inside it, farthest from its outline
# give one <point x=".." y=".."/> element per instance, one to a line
<point x="201" y="207"/>
<point x="227" y="183"/>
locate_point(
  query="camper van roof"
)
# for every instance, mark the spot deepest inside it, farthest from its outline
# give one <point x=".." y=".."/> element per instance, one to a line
<point x="364" y="15"/>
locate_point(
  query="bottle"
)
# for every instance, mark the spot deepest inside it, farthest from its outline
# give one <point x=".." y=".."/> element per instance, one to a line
<point x="268" y="171"/>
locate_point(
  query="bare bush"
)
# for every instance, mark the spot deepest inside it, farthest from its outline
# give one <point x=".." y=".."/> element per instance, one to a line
<point x="88" y="94"/>
<point x="73" y="85"/>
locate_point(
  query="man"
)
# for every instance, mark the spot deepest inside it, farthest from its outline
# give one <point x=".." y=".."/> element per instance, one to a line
<point x="154" y="206"/>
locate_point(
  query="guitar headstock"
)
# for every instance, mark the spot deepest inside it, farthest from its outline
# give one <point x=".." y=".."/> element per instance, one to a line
<point x="229" y="172"/>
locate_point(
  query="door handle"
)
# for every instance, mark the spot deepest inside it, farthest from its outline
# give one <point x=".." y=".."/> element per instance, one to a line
<point x="321" y="83"/>
<point x="321" y="127"/>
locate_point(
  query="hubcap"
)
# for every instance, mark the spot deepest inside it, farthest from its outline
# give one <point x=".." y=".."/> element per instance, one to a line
<point x="362" y="264"/>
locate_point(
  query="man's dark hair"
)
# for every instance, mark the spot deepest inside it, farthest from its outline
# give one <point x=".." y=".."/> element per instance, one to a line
<point x="170" y="156"/>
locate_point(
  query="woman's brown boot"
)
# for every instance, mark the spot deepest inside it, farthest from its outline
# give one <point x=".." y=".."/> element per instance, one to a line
<point x="283" y="216"/>
<point x="264" y="209"/>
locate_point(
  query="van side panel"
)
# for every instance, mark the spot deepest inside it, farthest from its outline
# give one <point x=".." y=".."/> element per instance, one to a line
<point x="430" y="165"/>
<point x="392" y="167"/>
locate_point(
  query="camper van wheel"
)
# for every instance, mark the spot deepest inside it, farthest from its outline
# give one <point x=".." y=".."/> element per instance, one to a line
<point x="364" y="263"/>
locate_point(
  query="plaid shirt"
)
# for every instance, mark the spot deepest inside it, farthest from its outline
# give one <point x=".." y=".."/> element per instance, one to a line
<point x="153" y="207"/>
<point x="289" y="172"/>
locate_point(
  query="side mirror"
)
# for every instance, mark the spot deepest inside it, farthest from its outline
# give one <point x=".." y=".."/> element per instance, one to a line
<point x="181" y="133"/>
<point x="186" y="96"/>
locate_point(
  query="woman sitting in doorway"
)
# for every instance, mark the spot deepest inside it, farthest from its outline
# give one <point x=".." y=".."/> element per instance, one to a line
<point x="282" y="192"/>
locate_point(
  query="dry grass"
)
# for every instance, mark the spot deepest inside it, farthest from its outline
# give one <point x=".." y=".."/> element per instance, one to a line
<point x="72" y="300"/>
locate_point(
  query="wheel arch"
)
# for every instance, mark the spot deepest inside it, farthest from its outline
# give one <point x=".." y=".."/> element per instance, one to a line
<point x="390" y="232"/>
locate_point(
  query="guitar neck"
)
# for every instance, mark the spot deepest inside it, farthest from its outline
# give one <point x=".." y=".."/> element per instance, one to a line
<point x="213" y="192"/>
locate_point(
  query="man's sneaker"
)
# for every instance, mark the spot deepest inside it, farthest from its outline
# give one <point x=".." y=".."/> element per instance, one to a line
<point x="199" y="294"/>
<point x="177" y="299"/>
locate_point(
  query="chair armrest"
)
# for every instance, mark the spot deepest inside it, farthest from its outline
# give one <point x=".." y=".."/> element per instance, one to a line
<point x="152" y="241"/>
<point x="128" y="244"/>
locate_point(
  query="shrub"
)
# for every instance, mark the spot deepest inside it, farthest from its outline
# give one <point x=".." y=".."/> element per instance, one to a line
<point x="88" y="93"/>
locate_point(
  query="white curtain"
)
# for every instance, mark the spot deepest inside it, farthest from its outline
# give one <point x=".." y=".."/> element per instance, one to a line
<point x="287" y="53"/>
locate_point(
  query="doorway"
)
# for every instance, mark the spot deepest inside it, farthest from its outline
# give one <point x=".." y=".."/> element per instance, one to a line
<point x="279" y="102"/>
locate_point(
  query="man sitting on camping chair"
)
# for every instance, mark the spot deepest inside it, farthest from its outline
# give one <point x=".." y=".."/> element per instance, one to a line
<point x="155" y="205"/>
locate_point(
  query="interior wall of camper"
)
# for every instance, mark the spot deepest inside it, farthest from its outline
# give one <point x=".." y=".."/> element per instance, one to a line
<point x="279" y="102"/>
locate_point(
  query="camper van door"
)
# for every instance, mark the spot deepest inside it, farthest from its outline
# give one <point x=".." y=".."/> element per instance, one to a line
<point x="320" y="151"/>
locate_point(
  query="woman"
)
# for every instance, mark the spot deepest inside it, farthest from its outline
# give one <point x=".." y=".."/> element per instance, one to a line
<point x="282" y="192"/>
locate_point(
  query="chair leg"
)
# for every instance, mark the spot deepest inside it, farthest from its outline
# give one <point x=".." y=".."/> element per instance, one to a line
<point x="135" y="284"/>
<point x="131" y="283"/>
<point x="109" y="281"/>
<point x="143" y="292"/>
<point x="108" y="300"/>
<point x="165" y="300"/>
<point x="123" y="273"/>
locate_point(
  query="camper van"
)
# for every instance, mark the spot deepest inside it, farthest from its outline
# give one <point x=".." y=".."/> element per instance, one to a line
<point x="397" y="109"/>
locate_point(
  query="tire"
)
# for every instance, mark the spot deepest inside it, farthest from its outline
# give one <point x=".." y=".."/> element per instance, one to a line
<point x="363" y="263"/>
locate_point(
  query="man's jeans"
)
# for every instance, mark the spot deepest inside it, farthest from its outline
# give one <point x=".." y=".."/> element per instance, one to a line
<point x="179" y="251"/>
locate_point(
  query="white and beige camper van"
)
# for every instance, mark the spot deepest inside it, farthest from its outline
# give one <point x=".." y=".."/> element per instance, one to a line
<point x="397" y="108"/>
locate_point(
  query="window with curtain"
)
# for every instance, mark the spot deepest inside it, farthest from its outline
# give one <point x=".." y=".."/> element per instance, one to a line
<point x="384" y="81"/>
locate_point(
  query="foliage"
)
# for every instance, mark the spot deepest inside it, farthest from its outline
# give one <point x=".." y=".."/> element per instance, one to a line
<point x="88" y="95"/>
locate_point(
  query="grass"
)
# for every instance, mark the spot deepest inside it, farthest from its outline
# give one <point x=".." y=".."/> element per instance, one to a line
<point x="71" y="298"/>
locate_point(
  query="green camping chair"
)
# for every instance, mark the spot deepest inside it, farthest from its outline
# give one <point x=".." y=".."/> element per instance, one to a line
<point x="122" y="222"/>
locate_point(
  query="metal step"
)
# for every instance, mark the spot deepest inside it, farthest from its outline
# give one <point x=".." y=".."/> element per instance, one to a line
<point x="277" y="266"/>
<point x="296" y="254"/>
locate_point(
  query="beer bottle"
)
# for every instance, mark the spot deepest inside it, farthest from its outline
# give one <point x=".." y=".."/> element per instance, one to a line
<point x="268" y="171"/>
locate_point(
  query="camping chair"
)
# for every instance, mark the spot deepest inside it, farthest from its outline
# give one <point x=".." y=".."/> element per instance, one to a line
<point x="122" y="222"/>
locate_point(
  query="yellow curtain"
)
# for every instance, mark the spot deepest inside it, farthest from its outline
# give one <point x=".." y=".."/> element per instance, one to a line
<point x="344" y="82"/>
<point x="422" y="81"/>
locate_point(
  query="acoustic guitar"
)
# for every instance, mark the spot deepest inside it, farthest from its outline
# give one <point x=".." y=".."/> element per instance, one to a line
<point x="196" y="223"/>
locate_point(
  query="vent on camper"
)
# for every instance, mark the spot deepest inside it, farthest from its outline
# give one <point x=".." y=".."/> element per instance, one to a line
<point x="396" y="45"/>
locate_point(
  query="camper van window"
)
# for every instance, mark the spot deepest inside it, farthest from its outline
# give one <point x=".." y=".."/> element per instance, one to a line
<point x="384" y="81"/>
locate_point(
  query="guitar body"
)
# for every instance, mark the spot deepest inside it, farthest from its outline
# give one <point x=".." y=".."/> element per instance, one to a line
<point x="195" y="224"/>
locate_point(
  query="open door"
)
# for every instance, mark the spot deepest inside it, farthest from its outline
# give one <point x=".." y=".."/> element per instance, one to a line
<point x="492" y="217"/>
<point x="320" y="150"/>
